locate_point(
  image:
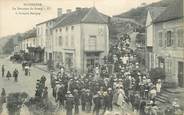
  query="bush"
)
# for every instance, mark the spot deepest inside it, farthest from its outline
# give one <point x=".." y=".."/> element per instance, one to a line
<point x="157" y="73"/>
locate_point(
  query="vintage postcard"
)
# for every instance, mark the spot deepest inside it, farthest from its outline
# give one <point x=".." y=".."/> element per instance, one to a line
<point x="91" y="57"/>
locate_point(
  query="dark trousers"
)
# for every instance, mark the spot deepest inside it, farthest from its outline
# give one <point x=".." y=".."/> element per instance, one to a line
<point x="110" y="107"/>
<point x="68" y="112"/>
<point x="2" y="73"/>
<point x="83" y="106"/>
<point x="76" y="109"/>
<point x="96" y="109"/>
<point x="15" y="78"/>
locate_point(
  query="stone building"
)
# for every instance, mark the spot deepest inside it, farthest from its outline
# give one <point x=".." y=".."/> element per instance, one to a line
<point x="165" y="42"/>
<point x="80" y="39"/>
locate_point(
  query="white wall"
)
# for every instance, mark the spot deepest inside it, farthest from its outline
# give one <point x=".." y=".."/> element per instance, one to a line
<point x="101" y="33"/>
<point x="149" y="29"/>
<point x="74" y="48"/>
<point x="41" y="35"/>
<point x="80" y="33"/>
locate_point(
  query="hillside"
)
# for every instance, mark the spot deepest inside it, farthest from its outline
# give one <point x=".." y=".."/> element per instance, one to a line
<point x="139" y="14"/>
<point x="7" y="43"/>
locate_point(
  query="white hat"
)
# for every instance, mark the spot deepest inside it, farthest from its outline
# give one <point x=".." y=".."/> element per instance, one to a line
<point x="109" y="89"/>
<point x="68" y="92"/>
<point x="70" y="95"/>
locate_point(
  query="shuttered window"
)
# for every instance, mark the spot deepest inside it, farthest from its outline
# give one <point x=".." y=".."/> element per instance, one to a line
<point x="60" y="41"/>
<point x="180" y="38"/>
<point x="160" y="39"/>
<point x="92" y="42"/>
<point x="169" y="38"/>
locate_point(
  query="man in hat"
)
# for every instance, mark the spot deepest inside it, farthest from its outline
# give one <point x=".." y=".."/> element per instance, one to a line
<point x="15" y="75"/>
<point x="106" y="101"/>
<point x="69" y="104"/>
<point x="76" y="101"/>
<point x="110" y="94"/>
<point x="3" y="70"/>
<point x="8" y="75"/>
<point x="96" y="100"/>
<point x="61" y="96"/>
<point x="83" y="99"/>
<point x="89" y="98"/>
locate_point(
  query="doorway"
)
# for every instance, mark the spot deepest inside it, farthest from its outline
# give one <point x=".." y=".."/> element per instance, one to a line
<point x="180" y="74"/>
<point x="50" y="56"/>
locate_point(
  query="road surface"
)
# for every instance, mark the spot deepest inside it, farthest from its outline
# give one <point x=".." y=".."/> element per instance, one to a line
<point x="27" y="84"/>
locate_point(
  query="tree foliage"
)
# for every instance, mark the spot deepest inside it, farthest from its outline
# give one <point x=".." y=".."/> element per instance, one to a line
<point x="8" y="47"/>
<point x="157" y="73"/>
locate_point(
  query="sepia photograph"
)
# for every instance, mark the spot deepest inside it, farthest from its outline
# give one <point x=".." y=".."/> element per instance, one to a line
<point x="91" y="57"/>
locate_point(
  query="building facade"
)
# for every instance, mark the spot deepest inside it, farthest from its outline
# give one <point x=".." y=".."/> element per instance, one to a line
<point x="80" y="39"/>
<point x="165" y="43"/>
<point x="29" y="40"/>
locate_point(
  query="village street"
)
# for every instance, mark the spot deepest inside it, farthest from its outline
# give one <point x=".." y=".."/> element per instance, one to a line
<point x="27" y="84"/>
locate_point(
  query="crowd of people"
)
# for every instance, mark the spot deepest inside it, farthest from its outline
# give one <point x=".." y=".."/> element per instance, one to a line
<point x="119" y="83"/>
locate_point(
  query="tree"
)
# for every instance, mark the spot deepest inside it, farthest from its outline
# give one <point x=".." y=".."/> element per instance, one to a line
<point x="8" y="47"/>
<point x="157" y="73"/>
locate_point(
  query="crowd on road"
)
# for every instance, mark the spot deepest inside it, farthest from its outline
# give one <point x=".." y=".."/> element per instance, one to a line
<point x="118" y="83"/>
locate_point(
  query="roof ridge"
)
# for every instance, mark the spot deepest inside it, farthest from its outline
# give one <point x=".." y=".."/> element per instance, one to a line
<point x="62" y="19"/>
<point x="167" y="14"/>
<point x="91" y="9"/>
<point x="101" y="16"/>
<point x="86" y="15"/>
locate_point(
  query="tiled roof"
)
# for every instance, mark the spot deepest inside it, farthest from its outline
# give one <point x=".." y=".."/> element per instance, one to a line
<point x="93" y="16"/>
<point x="156" y="11"/>
<point x="53" y="19"/>
<point x="173" y="11"/>
<point x="84" y="15"/>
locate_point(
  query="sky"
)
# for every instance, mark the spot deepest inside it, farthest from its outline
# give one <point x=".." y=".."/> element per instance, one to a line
<point x="42" y="10"/>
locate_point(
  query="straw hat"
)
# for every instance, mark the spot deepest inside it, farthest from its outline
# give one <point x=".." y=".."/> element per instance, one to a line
<point x="109" y="89"/>
<point x="68" y="92"/>
<point x="70" y="95"/>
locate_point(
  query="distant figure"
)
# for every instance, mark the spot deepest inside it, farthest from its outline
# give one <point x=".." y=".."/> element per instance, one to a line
<point x="142" y="106"/>
<point x="27" y="71"/>
<point x="69" y="104"/>
<point x="45" y="95"/>
<point x="3" y="95"/>
<point x="96" y="100"/>
<point x="158" y="86"/>
<point x="8" y="75"/>
<point x="3" y="70"/>
<point x="15" y="75"/>
<point x="23" y="65"/>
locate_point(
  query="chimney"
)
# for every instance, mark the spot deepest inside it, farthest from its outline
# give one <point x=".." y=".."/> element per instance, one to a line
<point x="68" y="11"/>
<point x="78" y="8"/>
<point x="59" y="12"/>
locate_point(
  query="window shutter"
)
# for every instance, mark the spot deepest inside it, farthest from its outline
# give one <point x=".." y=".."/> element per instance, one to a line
<point x="165" y="39"/>
<point x="172" y="38"/>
